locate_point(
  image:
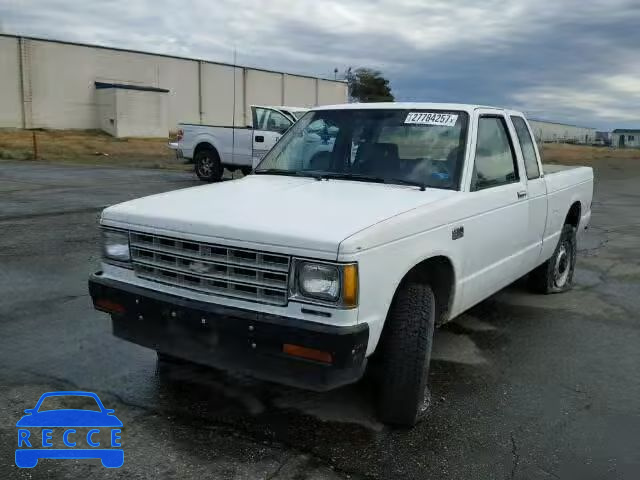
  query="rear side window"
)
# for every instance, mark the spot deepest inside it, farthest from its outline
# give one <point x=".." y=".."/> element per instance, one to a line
<point x="528" y="150"/>
<point x="495" y="162"/>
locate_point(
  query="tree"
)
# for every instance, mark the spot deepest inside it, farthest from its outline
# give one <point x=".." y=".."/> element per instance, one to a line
<point x="368" y="85"/>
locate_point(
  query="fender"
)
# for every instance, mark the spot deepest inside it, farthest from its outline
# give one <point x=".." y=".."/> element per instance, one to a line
<point x="207" y="138"/>
<point x="383" y="268"/>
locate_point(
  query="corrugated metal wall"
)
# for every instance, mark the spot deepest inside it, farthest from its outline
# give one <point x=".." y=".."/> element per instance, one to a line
<point x="559" y="132"/>
<point x="50" y="84"/>
<point x="10" y="81"/>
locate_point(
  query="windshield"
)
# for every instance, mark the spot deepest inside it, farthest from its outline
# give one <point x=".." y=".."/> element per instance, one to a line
<point x="423" y="147"/>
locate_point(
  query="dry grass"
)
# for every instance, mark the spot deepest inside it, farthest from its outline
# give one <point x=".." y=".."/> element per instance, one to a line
<point x="88" y="147"/>
<point x="567" y="154"/>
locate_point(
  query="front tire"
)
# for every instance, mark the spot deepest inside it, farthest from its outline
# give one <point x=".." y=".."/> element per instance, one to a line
<point x="208" y="166"/>
<point x="405" y="354"/>
<point x="556" y="274"/>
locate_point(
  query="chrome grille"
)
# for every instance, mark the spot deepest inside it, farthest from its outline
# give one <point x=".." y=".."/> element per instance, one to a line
<point x="232" y="272"/>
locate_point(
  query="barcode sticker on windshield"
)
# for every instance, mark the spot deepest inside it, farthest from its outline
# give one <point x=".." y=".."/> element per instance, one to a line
<point x="430" y="118"/>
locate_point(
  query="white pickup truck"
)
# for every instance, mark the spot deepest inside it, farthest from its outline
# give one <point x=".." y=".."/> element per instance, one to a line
<point x="344" y="256"/>
<point x="213" y="148"/>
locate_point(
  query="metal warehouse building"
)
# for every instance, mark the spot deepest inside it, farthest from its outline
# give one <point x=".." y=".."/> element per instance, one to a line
<point x="560" y="132"/>
<point x="60" y="85"/>
<point x="625" y="137"/>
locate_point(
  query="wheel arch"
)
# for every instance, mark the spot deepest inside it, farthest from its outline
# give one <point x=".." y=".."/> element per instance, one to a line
<point x="205" y="145"/>
<point x="573" y="215"/>
<point x="439" y="272"/>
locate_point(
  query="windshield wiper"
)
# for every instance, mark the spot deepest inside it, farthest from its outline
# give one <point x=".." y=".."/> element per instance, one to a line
<point x="283" y="171"/>
<point x="366" y="178"/>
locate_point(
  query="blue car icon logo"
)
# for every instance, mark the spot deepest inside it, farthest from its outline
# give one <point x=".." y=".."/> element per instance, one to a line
<point x="72" y="428"/>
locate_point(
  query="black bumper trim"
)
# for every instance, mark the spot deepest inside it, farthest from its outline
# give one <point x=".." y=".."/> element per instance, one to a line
<point x="234" y="339"/>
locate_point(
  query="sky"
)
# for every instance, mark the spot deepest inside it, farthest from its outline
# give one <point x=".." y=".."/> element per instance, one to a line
<point x="575" y="61"/>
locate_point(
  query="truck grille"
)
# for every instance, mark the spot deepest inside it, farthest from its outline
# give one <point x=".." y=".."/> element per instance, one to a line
<point x="232" y="272"/>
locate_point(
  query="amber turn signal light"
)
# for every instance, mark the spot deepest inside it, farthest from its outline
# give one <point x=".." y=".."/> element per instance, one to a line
<point x="108" y="306"/>
<point x="307" y="353"/>
<point x="350" y="286"/>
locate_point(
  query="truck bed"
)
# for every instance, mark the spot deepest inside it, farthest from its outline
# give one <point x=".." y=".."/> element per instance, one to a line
<point x="561" y="177"/>
<point x="553" y="168"/>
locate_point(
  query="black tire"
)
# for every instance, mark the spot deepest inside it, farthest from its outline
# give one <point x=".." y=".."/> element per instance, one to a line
<point x="207" y="165"/>
<point x="556" y="274"/>
<point x="404" y="356"/>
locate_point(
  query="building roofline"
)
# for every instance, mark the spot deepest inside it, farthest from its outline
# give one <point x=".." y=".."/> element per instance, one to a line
<point x="126" y="86"/>
<point x="164" y="55"/>
<point x="626" y="130"/>
<point x="560" y="123"/>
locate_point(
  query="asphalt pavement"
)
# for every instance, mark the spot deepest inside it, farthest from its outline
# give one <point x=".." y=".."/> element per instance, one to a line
<point x="523" y="386"/>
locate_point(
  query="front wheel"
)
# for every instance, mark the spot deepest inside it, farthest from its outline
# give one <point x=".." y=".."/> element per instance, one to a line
<point x="556" y="274"/>
<point x="405" y="354"/>
<point x="208" y="166"/>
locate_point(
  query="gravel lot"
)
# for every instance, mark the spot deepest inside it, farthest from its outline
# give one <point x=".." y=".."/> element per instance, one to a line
<point x="523" y="386"/>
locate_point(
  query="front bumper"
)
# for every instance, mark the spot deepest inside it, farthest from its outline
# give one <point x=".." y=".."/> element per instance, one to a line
<point x="234" y="339"/>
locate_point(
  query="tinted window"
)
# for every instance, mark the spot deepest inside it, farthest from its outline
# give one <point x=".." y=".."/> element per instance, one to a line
<point x="267" y="119"/>
<point x="495" y="163"/>
<point x="528" y="150"/>
<point x="277" y="122"/>
<point x="260" y="118"/>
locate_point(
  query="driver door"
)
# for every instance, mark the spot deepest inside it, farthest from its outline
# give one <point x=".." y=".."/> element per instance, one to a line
<point x="268" y="126"/>
<point x="496" y="223"/>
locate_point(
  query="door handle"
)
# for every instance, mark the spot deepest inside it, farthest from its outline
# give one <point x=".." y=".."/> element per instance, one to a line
<point x="522" y="194"/>
<point x="259" y="138"/>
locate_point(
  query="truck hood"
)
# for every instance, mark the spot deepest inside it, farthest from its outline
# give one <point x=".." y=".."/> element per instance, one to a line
<point x="259" y="211"/>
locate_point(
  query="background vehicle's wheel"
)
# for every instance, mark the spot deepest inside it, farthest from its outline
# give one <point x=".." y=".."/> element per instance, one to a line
<point x="208" y="166"/>
<point x="556" y="274"/>
<point x="404" y="356"/>
<point x="246" y="170"/>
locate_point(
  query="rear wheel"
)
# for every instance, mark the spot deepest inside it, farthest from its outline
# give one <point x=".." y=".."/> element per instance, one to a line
<point x="556" y="274"/>
<point x="404" y="356"/>
<point x="208" y="166"/>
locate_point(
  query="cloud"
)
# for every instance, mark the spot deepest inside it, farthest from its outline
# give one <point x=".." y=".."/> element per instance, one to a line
<point x="614" y="99"/>
<point x="563" y="60"/>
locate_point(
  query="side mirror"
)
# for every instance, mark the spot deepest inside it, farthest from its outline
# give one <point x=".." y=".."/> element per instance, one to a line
<point x="109" y="411"/>
<point x="29" y="410"/>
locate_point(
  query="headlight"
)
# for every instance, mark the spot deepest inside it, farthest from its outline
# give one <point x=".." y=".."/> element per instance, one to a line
<point x="115" y="245"/>
<point x="328" y="283"/>
<point x="319" y="281"/>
